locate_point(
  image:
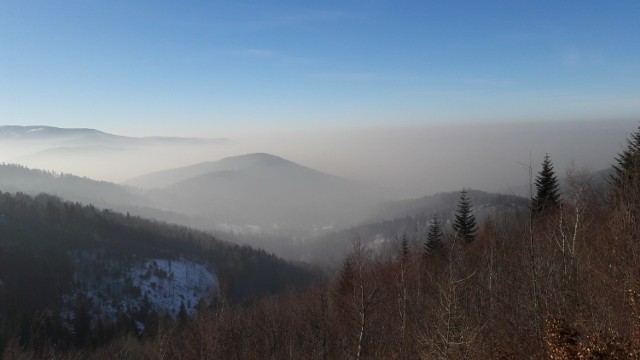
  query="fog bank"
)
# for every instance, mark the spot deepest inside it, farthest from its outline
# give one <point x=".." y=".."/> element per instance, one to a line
<point x="408" y="161"/>
<point x="420" y="160"/>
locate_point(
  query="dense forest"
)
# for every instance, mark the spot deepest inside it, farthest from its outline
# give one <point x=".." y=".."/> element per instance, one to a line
<point x="557" y="279"/>
<point x="52" y="253"/>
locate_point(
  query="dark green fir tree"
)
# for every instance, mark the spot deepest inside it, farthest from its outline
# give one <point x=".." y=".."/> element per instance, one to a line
<point x="547" y="188"/>
<point x="626" y="170"/>
<point x="434" y="236"/>
<point x="404" y="247"/>
<point x="465" y="222"/>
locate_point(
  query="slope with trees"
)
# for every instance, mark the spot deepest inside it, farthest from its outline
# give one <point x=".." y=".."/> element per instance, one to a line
<point x="59" y="258"/>
<point x="408" y="216"/>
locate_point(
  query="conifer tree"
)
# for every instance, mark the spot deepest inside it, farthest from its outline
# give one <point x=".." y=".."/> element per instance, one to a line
<point x="465" y="222"/>
<point x="547" y="193"/>
<point x="434" y="236"/>
<point x="626" y="171"/>
<point x="404" y="247"/>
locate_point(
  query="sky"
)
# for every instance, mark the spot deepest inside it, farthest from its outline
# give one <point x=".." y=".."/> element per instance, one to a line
<point x="421" y="96"/>
<point x="220" y="68"/>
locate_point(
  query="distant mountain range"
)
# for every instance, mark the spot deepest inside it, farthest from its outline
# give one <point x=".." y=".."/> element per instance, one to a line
<point x="98" y="154"/>
<point x="254" y="193"/>
<point x="255" y="196"/>
<point x="264" y="200"/>
<point x="60" y="140"/>
<point x="86" y="137"/>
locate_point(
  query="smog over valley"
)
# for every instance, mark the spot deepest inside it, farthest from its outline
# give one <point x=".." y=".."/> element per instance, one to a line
<point x="308" y="180"/>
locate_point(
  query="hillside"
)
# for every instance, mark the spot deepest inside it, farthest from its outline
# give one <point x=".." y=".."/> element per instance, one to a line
<point x="382" y="232"/>
<point x="263" y="192"/>
<point x="444" y="203"/>
<point x="59" y="260"/>
<point x="17" y="178"/>
<point x="166" y="178"/>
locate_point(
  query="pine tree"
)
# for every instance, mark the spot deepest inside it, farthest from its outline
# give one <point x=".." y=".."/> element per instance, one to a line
<point x="404" y="247"/>
<point x="434" y="236"/>
<point x="626" y="171"/>
<point x="465" y="222"/>
<point x="547" y="193"/>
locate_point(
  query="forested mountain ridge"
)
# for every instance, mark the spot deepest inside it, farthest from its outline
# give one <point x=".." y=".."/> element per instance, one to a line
<point x="101" y="194"/>
<point x="60" y="259"/>
<point x="17" y="178"/>
<point x="382" y="232"/>
<point x="445" y="203"/>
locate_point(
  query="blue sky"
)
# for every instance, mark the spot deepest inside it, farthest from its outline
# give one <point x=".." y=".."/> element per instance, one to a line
<point x="200" y="67"/>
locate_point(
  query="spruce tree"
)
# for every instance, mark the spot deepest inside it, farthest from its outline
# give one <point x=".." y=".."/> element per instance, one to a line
<point x="434" y="236"/>
<point x="465" y="222"/>
<point x="404" y="247"/>
<point x="547" y="188"/>
<point x="626" y="171"/>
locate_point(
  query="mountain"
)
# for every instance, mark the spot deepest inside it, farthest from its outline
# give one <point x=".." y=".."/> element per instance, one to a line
<point x="101" y="194"/>
<point x="251" y="162"/>
<point x="17" y="178"/>
<point x="74" y="137"/>
<point x="260" y="190"/>
<point x="47" y="143"/>
<point x="98" y="154"/>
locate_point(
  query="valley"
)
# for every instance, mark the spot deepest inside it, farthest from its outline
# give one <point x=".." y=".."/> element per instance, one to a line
<point x="305" y="180"/>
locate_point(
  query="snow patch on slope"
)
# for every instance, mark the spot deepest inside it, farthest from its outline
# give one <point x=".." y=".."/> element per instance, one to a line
<point x="114" y="287"/>
<point x="168" y="284"/>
